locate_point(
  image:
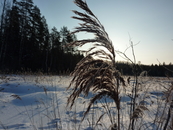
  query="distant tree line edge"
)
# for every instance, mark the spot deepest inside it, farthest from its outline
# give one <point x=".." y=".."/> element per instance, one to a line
<point x="161" y="70"/>
<point x="27" y="44"/>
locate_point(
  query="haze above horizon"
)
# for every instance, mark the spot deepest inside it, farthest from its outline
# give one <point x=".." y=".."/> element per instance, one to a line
<point x="149" y="23"/>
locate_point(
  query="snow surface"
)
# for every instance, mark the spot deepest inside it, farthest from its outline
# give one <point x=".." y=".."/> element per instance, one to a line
<point x="30" y="102"/>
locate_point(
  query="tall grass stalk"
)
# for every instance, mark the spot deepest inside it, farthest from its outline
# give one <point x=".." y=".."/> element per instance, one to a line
<point x="96" y="71"/>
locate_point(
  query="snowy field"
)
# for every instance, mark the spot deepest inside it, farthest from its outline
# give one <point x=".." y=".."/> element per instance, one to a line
<point x="30" y="102"/>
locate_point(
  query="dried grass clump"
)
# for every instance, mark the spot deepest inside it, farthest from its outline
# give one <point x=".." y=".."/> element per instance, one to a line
<point x="16" y="96"/>
<point x="139" y="112"/>
<point x="96" y="72"/>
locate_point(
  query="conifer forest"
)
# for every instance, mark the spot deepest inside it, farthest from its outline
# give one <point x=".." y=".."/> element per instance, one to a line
<point x="27" y="44"/>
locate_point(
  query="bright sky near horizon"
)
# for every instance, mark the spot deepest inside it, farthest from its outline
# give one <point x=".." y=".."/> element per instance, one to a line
<point x="147" y="22"/>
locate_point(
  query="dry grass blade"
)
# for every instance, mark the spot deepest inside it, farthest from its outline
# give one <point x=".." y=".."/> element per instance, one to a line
<point x="45" y="90"/>
<point x="97" y="123"/>
<point x="83" y="6"/>
<point x="168" y="94"/>
<point x="2" y="125"/>
<point x="1" y="89"/>
<point x="91" y="25"/>
<point x="104" y="93"/>
<point x="138" y="112"/>
<point x="16" y="97"/>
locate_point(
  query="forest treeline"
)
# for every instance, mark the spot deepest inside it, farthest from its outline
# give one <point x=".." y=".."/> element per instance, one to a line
<point x="161" y="70"/>
<point x="27" y="44"/>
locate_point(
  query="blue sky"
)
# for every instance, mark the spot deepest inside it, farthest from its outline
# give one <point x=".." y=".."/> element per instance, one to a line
<point x="149" y="22"/>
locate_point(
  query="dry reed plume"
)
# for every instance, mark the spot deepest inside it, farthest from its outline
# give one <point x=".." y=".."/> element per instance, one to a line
<point x="96" y="72"/>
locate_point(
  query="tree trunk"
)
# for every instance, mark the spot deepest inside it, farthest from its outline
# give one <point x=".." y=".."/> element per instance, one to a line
<point x="1" y="29"/>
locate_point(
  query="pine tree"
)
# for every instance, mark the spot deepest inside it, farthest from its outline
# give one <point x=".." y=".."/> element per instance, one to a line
<point x="67" y="38"/>
<point x="2" y="36"/>
<point x="45" y="45"/>
<point x="56" y="50"/>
